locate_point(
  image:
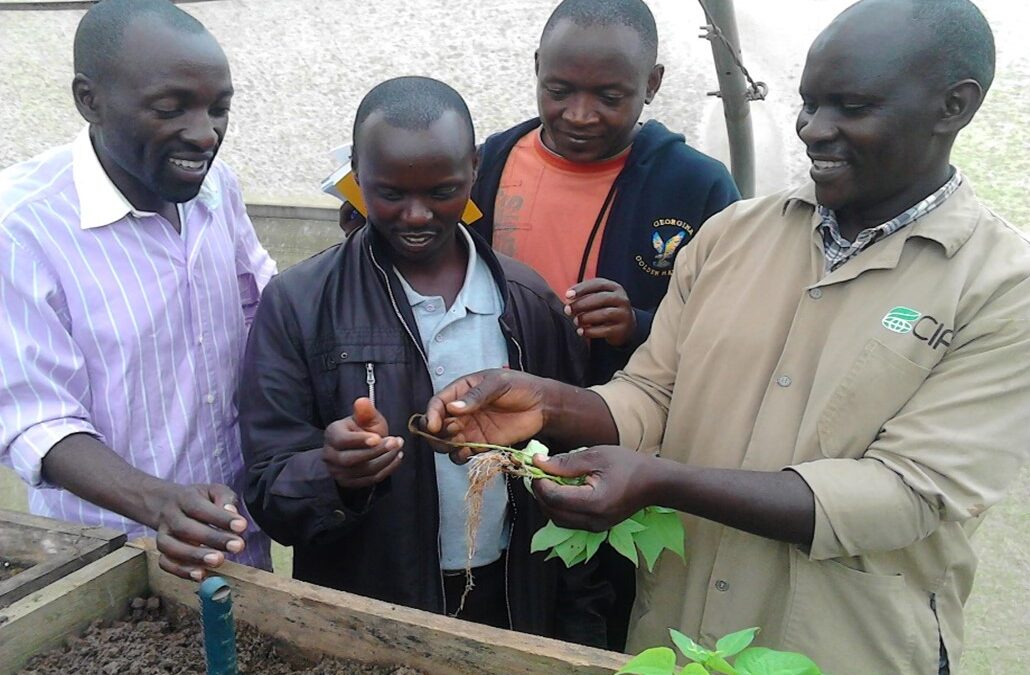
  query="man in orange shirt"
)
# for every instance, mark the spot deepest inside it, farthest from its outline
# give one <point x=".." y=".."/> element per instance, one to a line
<point x="594" y="201"/>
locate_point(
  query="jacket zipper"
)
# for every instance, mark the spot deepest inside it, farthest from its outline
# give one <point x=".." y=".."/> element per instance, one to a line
<point x="511" y="499"/>
<point x="425" y="360"/>
<point x="370" y="380"/>
<point x="397" y="311"/>
<point x="507" y="552"/>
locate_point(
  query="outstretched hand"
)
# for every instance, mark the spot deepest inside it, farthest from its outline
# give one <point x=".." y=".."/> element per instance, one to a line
<point x="358" y="451"/>
<point x="498" y="406"/>
<point x="615" y="487"/>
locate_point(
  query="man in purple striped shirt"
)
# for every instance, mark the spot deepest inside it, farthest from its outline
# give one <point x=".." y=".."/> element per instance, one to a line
<point x="129" y="274"/>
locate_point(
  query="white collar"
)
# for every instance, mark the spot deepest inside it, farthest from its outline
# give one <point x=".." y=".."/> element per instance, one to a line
<point x="100" y="201"/>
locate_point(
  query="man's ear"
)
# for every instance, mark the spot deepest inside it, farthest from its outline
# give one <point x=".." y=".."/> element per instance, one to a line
<point x="536" y="63"/>
<point x="654" y="82"/>
<point x="961" y="102"/>
<point x="84" y="92"/>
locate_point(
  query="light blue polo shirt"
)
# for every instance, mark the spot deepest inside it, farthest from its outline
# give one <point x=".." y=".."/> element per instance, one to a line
<point x="459" y="341"/>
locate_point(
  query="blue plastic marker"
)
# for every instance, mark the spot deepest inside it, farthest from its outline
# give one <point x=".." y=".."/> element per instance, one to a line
<point x="219" y="627"/>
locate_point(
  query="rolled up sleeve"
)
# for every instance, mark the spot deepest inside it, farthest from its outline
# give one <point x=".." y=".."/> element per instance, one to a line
<point x="947" y="455"/>
<point x="44" y="387"/>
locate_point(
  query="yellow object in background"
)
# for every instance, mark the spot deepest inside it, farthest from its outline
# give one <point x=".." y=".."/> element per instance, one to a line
<point x="348" y="188"/>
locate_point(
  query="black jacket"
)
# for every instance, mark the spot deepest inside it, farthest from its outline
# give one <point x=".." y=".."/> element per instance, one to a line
<point x="663" y="195"/>
<point x="336" y="327"/>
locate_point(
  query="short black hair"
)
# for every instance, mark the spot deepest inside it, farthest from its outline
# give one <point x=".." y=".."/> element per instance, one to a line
<point x="634" y="14"/>
<point x="412" y="103"/>
<point x="962" y="43"/>
<point x="99" y="35"/>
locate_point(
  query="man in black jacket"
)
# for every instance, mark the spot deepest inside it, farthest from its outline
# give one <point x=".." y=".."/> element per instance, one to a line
<point x="593" y="200"/>
<point x="349" y="343"/>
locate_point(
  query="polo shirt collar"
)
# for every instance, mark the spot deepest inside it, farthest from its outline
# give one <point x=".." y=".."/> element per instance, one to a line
<point x="477" y="294"/>
<point x="100" y="201"/>
<point x="950" y="224"/>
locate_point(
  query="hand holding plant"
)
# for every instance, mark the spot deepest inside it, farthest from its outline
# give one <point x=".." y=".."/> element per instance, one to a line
<point x="650" y="530"/>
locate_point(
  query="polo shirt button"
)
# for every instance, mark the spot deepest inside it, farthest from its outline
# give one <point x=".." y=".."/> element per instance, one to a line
<point x="210" y="398"/>
<point x="430" y="308"/>
<point x="721" y="585"/>
<point x="815" y="293"/>
<point x="340" y="515"/>
<point x="783" y="381"/>
<point x="438" y="338"/>
<point x="439" y="370"/>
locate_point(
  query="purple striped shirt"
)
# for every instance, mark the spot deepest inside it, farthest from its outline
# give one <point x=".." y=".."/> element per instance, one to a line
<point x="115" y="325"/>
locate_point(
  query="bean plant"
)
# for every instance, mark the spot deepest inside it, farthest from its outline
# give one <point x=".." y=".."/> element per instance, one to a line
<point x="746" y="660"/>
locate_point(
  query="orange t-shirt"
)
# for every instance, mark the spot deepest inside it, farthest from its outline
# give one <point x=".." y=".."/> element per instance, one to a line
<point x="546" y="207"/>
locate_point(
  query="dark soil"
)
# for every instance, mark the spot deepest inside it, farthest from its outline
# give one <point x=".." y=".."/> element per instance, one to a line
<point x="8" y="569"/>
<point x="152" y="641"/>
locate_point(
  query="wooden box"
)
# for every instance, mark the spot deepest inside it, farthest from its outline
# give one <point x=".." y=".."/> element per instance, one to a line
<point x="315" y="620"/>
<point x="46" y="550"/>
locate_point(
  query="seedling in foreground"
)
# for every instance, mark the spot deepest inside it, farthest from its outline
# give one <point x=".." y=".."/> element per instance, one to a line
<point x="746" y="660"/>
<point x="649" y="531"/>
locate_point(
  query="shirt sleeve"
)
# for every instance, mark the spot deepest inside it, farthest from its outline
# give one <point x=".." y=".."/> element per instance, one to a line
<point x="44" y="386"/>
<point x="254" y="266"/>
<point x="948" y="454"/>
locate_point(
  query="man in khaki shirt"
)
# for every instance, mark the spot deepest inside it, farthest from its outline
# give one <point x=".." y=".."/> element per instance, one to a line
<point x="837" y="380"/>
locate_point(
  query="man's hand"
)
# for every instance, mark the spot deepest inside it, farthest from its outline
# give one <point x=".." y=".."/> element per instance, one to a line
<point x="196" y="525"/>
<point x="492" y="406"/>
<point x="350" y="218"/>
<point x="358" y="452"/>
<point x="601" y="309"/>
<point x="616" y="487"/>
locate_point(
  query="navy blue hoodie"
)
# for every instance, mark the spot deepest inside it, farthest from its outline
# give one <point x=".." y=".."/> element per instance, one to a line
<point x="663" y="195"/>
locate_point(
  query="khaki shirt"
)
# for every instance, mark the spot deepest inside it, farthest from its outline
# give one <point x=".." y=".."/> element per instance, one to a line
<point x="897" y="386"/>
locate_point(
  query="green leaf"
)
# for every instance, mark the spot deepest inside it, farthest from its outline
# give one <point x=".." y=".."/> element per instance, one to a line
<point x="577" y="559"/>
<point x="694" y="669"/>
<point x="571" y="548"/>
<point x="622" y="541"/>
<point x="734" y="643"/>
<point x="763" y="661"/>
<point x="688" y="647"/>
<point x="654" y="661"/>
<point x="719" y="664"/>
<point x="651" y="544"/>
<point x="670" y="528"/>
<point x="630" y="526"/>
<point x="549" y="536"/>
<point x="594" y="541"/>
<point x="535" y="447"/>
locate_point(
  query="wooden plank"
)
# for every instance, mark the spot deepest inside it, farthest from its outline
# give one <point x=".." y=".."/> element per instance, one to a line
<point x="43" y="620"/>
<point x="49" y="548"/>
<point x="321" y="620"/>
<point x="53" y="525"/>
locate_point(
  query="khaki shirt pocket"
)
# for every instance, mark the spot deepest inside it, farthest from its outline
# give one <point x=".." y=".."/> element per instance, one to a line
<point x="878" y="384"/>
<point x="850" y="621"/>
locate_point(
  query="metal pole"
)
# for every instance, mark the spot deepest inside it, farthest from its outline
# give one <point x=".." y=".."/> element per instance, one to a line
<point x="734" y="93"/>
